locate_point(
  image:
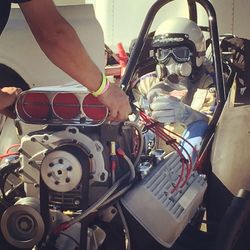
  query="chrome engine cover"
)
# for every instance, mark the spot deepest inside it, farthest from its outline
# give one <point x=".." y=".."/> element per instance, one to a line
<point x="162" y="213"/>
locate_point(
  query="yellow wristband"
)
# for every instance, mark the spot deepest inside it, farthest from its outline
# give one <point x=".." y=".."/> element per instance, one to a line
<point x="102" y="87"/>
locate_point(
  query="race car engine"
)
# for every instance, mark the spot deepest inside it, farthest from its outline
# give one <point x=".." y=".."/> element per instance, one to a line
<point x="77" y="168"/>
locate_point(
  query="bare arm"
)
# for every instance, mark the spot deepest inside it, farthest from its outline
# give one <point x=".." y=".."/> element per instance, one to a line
<point x="60" y="43"/>
<point x="62" y="46"/>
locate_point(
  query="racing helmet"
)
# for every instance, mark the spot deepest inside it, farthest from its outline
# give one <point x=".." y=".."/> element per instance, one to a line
<point x="181" y="39"/>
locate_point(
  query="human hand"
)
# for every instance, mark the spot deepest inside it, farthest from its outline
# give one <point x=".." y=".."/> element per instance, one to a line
<point x="168" y="109"/>
<point x="8" y="97"/>
<point x="117" y="103"/>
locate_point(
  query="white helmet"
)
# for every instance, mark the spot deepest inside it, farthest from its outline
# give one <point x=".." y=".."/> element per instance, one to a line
<point x="181" y="33"/>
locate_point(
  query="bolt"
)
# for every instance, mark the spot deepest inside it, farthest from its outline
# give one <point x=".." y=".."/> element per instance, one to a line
<point x="69" y="168"/>
<point x="72" y="131"/>
<point x="49" y="174"/>
<point x="83" y="120"/>
<point x="57" y="182"/>
<point x="60" y="161"/>
<point x="67" y="179"/>
<point x="51" y="164"/>
<point x="102" y="177"/>
<point x="77" y="202"/>
<point x="46" y="138"/>
<point x="113" y="211"/>
<point x="172" y="199"/>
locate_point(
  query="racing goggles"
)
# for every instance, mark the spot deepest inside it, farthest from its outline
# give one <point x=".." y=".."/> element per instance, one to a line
<point x="179" y="54"/>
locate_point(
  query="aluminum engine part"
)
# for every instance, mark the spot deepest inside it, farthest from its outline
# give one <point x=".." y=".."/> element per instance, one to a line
<point x="108" y="214"/>
<point x="162" y="213"/>
<point x="35" y="147"/>
<point x="95" y="237"/>
<point x="22" y="224"/>
<point x="144" y="168"/>
<point x="61" y="171"/>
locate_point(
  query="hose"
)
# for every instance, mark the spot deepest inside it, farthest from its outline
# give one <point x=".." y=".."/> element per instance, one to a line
<point x="107" y="195"/>
<point x="92" y="208"/>
<point x="119" y="209"/>
<point x="138" y="129"/>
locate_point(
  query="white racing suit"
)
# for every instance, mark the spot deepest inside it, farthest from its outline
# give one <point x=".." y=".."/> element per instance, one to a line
<point x="165" y="102"/>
